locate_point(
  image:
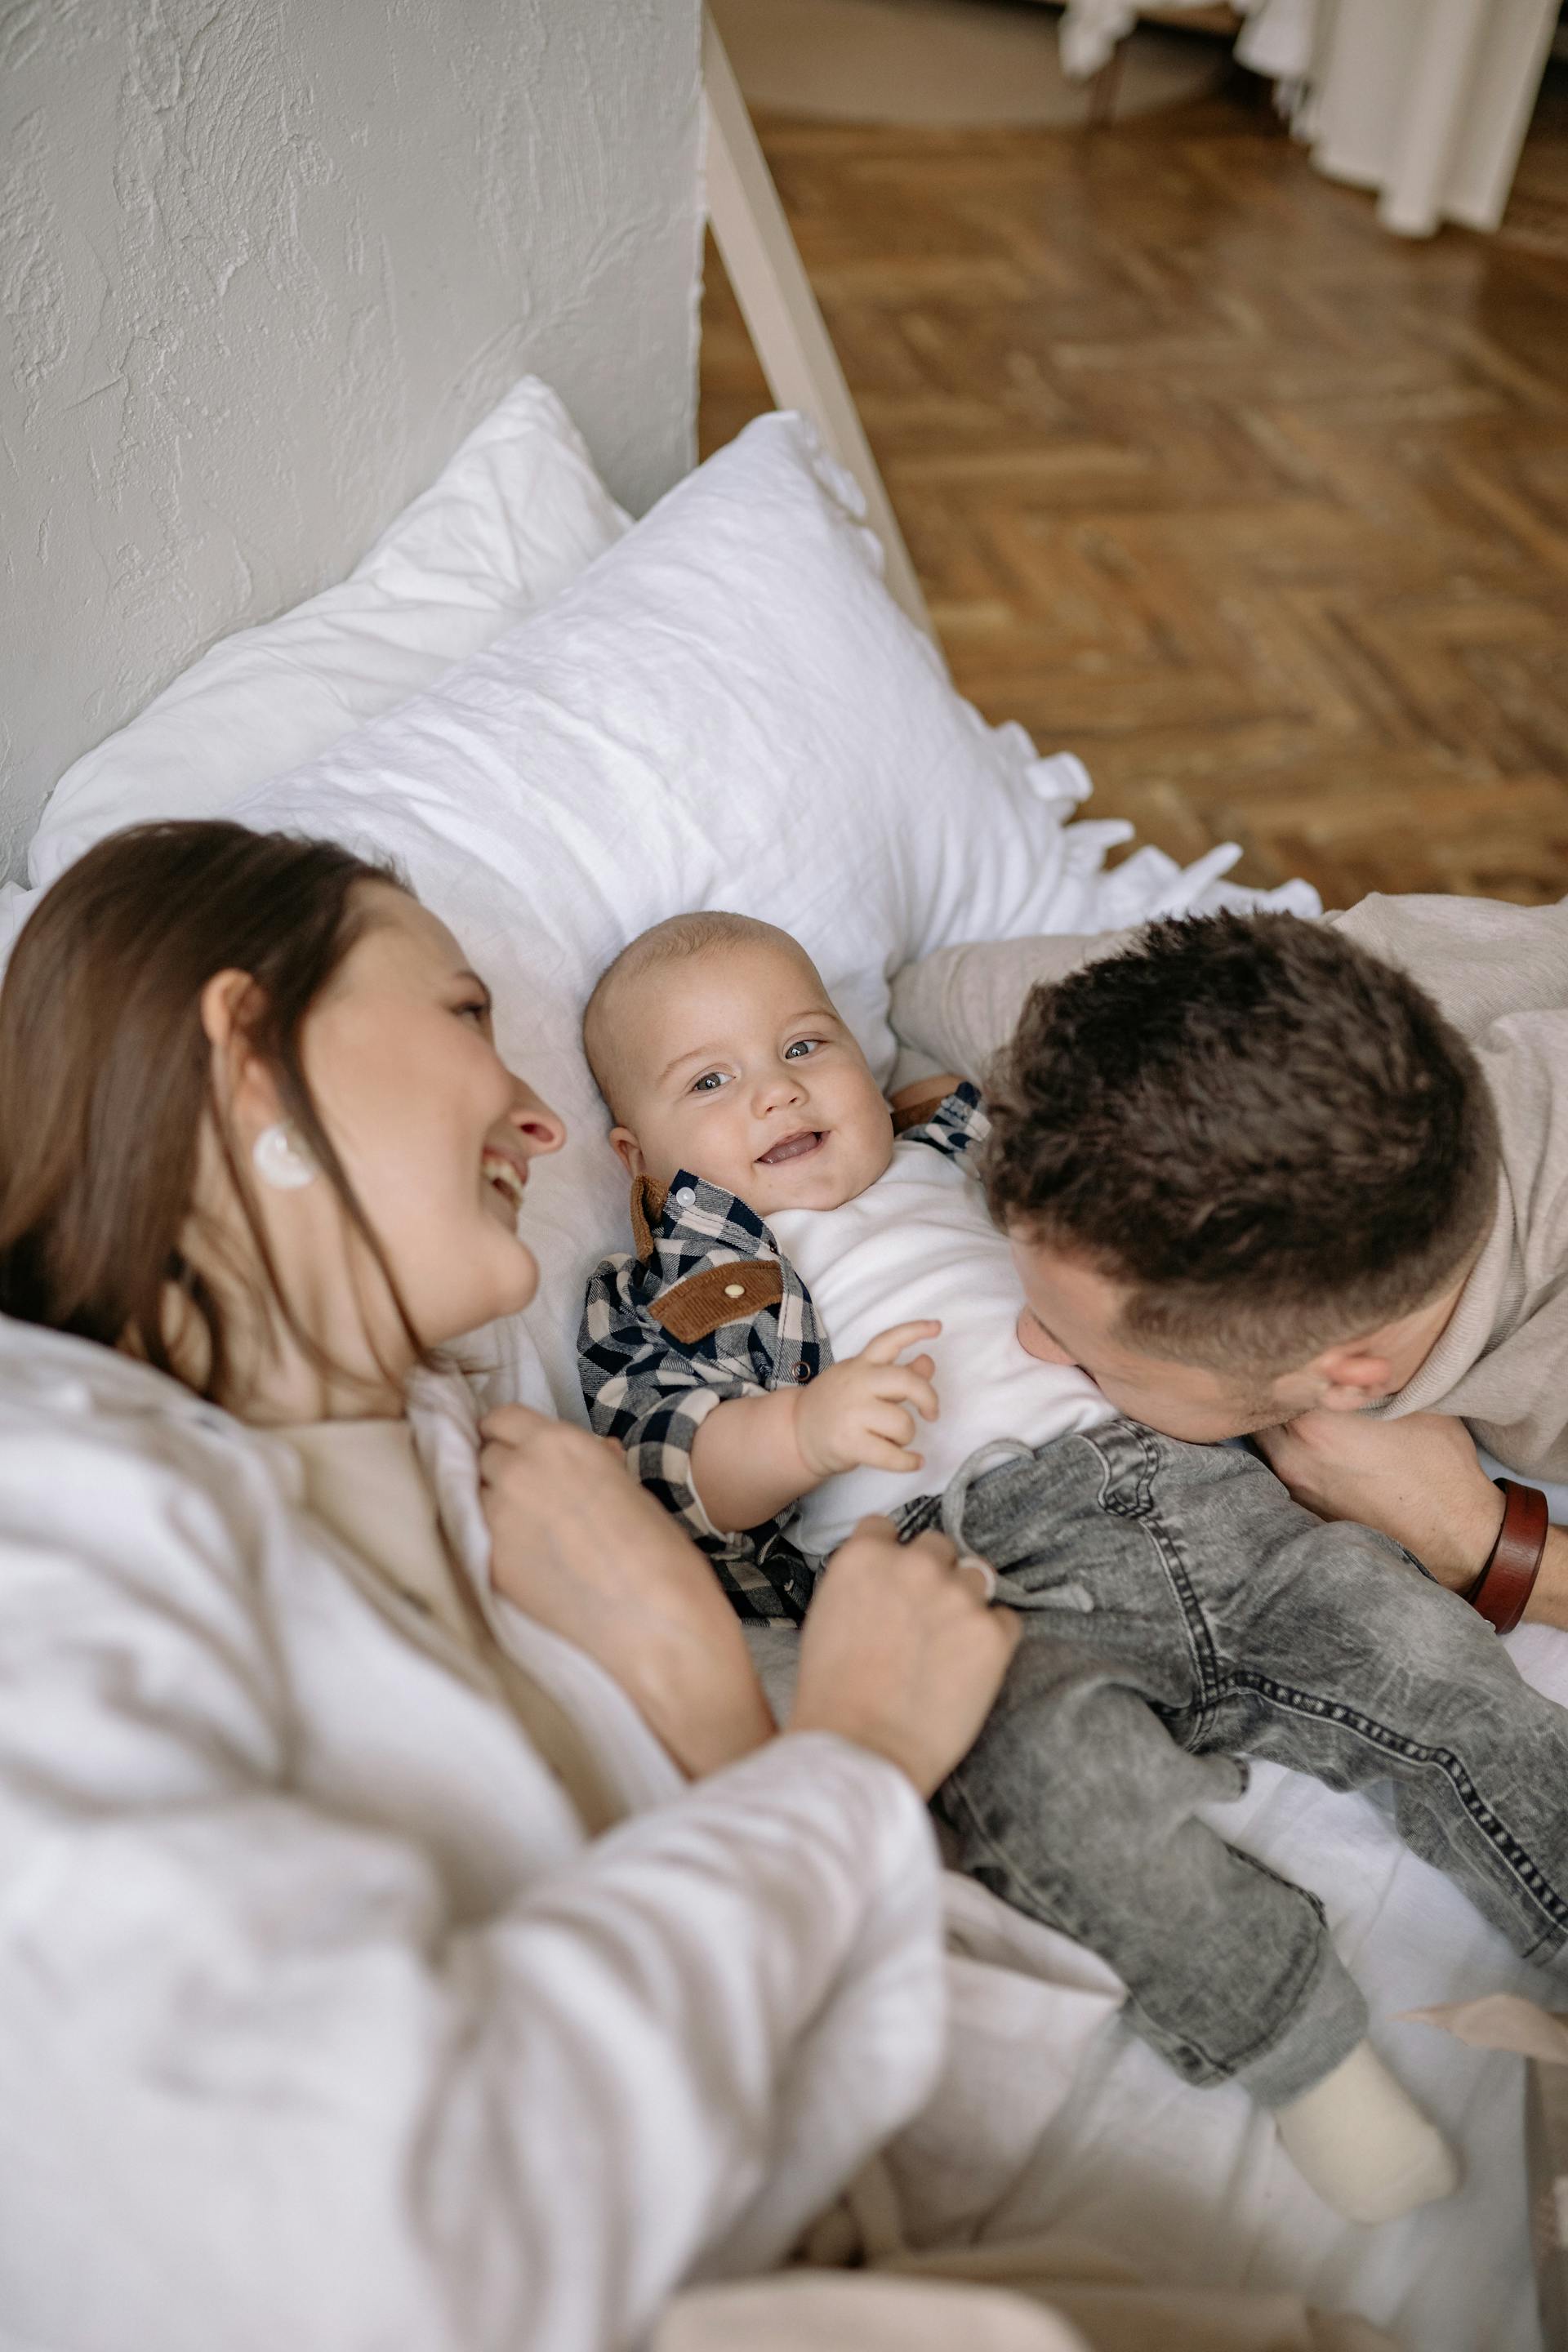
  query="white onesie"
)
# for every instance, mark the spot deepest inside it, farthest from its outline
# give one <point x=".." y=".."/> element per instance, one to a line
<point x="916" y="1245"/>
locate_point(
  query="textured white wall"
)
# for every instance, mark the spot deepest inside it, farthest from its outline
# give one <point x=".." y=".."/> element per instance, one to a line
<point x="265" y="262"/>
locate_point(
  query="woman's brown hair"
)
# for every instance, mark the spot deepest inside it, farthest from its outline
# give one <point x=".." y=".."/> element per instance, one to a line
<point x="106" y="1073"/>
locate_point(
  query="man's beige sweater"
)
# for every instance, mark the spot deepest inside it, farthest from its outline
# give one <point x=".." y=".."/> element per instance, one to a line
<point x="1501" y="974"/>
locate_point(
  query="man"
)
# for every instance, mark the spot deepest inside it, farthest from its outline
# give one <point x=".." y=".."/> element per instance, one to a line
<point x="1304" y="1181"/>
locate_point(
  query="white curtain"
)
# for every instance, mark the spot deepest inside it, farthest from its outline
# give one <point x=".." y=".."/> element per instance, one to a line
<point x="1425" y="102"/>
<point x="1277" y="40"/>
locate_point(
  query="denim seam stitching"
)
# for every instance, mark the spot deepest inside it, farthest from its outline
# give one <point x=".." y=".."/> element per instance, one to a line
<point x="1510" y="1852"/>
<point x="1224" y="2069"/>
<point x="1140" y="1506"/>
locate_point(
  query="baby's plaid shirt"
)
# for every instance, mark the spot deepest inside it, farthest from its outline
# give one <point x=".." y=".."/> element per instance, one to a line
<point x="706" y="1308"/>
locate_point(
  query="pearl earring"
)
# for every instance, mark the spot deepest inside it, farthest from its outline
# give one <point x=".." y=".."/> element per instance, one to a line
<point x="281" y="1160"/>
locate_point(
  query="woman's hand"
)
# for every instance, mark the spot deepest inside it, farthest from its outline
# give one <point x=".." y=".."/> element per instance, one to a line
<point x="1417" y="1479"/>
<point x="580" y="1546"/>
<point x="901" y="1653"/>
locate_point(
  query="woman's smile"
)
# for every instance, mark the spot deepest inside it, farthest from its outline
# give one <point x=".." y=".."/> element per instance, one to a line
<point x="506" y="1179"/>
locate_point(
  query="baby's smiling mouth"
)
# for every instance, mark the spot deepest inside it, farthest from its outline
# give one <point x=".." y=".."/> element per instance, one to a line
<point x="793" y="1147"/>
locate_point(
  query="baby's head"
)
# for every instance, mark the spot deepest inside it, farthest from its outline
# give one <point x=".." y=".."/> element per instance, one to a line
<point x="718" y="1050"/>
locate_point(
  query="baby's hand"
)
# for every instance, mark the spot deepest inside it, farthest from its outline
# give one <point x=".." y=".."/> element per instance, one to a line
<point x="857" y="1416"/>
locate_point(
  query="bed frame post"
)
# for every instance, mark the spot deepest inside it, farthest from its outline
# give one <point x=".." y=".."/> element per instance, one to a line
<point x="780" y="309"/>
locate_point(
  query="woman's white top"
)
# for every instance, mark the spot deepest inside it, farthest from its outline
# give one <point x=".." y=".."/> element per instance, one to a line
<point x="919" y="1244"/>
<point x="321" y="2024"/>
<point x="365" y="1482"/>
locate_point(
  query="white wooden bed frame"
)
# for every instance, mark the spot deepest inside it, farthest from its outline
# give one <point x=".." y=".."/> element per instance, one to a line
<point x="780" y="309"/>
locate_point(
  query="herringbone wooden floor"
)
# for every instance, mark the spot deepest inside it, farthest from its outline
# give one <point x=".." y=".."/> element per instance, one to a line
<point x="1260" y="510"/>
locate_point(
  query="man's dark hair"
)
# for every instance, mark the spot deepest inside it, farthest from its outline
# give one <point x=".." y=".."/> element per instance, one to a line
<point x="1274" y="1139"/>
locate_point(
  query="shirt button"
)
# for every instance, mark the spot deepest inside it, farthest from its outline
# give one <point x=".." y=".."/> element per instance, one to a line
<point x="734" y="1290"/>
<point x="686" y="1196"/>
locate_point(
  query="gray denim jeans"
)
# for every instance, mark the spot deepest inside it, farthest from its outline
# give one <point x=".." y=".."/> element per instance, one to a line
<point x="1181" y="1612"/>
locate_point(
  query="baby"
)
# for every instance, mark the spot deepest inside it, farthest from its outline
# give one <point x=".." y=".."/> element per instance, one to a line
<point x="1179" y="1609"/>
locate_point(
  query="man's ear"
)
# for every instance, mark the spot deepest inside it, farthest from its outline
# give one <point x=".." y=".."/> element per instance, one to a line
<point x="1352" y="1377"/>
<point x="628" y="1151"/>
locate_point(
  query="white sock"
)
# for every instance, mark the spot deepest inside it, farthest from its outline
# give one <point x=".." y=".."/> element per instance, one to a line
<point x="1362" y="2143"/>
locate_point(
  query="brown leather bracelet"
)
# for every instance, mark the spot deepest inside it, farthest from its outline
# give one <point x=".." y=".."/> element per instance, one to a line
<point x="1501" y="1592"/>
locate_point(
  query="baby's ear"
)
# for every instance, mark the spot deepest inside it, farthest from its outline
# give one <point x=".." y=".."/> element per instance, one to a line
<point x="627" y="1150"/>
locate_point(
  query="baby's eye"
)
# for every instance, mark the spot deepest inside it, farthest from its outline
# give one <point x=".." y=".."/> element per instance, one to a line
<point x="474" y="1011"/>
<point x="802" y="1046"/>
<point x="707" y="1084"/>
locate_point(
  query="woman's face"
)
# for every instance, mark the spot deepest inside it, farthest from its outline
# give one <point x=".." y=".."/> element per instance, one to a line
<point x="435" y="1132"/>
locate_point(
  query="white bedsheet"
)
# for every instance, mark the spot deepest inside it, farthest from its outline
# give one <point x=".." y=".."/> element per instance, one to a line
<point x="1189" y="2184"/>
<point x="1190" y="2187"/>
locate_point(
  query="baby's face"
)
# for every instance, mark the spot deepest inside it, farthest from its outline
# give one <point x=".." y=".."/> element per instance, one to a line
<point x="746" y="1076"/>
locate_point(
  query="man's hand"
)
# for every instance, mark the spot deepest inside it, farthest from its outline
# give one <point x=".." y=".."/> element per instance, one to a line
<point x="861" y="1414"/>
<point x="1418" y="1480"/>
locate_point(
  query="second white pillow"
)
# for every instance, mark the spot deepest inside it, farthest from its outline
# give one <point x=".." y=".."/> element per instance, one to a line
<point x="728" y="710"/>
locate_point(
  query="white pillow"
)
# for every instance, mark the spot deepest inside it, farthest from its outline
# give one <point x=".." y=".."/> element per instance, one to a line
<point x="728" y="710"/>
<point x="517" y="513"/>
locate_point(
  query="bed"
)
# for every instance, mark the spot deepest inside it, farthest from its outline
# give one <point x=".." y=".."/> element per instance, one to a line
<point x="564" y="725"/>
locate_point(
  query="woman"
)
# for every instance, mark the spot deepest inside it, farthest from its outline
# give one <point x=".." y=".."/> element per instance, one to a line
<point x="411" y="1930"/>
<point x="324" y="2022"/>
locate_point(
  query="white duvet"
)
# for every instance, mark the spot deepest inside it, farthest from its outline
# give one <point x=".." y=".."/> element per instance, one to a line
<point x="1189" y="2184"/>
